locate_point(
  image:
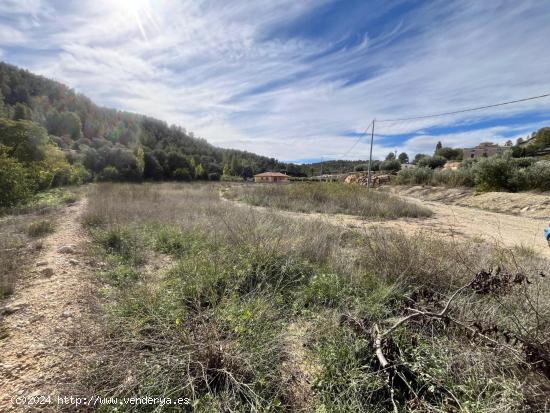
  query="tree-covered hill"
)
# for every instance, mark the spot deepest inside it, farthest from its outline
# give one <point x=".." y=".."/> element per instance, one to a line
<point x="112" y="144"/>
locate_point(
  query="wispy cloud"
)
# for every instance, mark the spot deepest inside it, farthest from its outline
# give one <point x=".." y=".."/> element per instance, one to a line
<point x="291" y="79"/>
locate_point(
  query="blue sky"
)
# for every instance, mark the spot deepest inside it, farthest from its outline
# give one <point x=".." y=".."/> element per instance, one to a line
<point x="297" y="80"/>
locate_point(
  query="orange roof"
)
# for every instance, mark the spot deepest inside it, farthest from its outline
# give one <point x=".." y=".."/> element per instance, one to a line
<point x="271" y="174"/>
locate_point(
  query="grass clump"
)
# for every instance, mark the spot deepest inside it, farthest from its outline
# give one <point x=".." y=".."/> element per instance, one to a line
<point x="40" y="228"/>
<point x="332" y="198"/>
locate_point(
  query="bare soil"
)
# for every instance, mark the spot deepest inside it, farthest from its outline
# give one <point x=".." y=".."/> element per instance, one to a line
<point x="526" y="204"/>
<point x="47" y="322"/>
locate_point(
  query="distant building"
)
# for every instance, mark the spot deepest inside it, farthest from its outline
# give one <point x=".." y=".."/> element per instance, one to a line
<point x="484" y="149"/>
<point x="275" y="177"/>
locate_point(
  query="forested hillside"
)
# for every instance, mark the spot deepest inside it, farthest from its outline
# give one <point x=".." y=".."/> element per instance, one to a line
<point x="71" y="139"/>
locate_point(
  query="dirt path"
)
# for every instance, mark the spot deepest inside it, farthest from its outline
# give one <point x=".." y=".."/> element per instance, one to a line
<point x="454" y="221"/>
<point x="44" y="319"/>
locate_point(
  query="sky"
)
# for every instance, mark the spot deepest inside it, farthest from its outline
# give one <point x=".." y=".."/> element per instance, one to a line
<point x="298" y="80"/>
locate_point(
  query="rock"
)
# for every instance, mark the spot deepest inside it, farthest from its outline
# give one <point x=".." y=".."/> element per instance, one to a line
<point x="73" y="261"/>
<point x="13" y="308"/>
<point x="66" y="249"/>
<point x="41" y="263"/>
<point x="47" y="272"/>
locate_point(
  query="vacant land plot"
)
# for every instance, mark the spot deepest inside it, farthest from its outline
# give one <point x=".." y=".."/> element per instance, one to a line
<point x="328" y="197"/>
<point x="241" y="310"/>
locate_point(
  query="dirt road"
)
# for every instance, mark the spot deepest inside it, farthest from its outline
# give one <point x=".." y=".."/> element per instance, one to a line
<point x="43" y="320"/>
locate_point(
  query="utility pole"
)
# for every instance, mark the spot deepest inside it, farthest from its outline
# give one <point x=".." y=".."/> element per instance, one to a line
<point x="370" y="156"/>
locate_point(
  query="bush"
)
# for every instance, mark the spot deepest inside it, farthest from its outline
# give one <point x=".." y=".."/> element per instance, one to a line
<point x="433" y="162"/>
<point x="538" y="175"/>
<point x="15" y="184"/>
<point x="450" y="153"/>
<point x="391" y="165"/>
<point x="230" y="178"/>
<point x="40" y="228"/>
<point x="453" y="178"/>
<point x="109" y="173"/>
<point x="213" y="176"/>
<point x="181" y="174"/>
<point x="496" y="174"/>
<point x="415" y="176"/>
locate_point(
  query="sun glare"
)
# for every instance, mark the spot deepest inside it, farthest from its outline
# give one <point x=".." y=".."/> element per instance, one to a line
<point x="137" y="10"/>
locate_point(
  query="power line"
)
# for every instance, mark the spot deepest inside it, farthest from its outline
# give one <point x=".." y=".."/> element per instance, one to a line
<point x="465" y="110"/>
<point x="357" y="141"/>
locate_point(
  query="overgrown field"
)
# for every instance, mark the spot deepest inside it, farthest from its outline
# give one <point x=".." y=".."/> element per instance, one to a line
<point x="245" y="311"/>
<point x="328" y="197"/>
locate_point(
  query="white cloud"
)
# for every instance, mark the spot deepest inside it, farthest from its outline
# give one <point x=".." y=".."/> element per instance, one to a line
<point x="195" y="63"/>
<point x="11" y="36"/>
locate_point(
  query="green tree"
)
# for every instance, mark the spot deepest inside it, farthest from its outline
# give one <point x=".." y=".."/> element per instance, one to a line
<point x="182" y="174"/>
<point x="390" y="156"/>
<point x="152" y="168"/>
<point x="438" y="146"/>
<point x="390" y="165"/>
<point x="418" y="157"/>
<point x="199" y="172"/>
<point x="403" y="158"/>
<point x="25" y="140"/>
<point x="432" y="162"/>
<point x="226" y="170"/>
<point x="109" y="173"/>
<point x="22" y="112"/>
<point x="450" y="153"/>
<point x="140" y="162"/>
<point x="15" y="184"/>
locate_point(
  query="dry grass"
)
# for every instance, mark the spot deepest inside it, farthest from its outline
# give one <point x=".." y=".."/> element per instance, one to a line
<point x="330" y="198"/>
<point x="215" y="325"/>
<point x="40" y="228"/>
<point x="19" y="228"/>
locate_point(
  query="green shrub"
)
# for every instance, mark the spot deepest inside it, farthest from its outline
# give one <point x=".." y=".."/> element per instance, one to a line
<point x="15" y="184"/>
<point x="40" y="228"/>
<point x="496" y="174"/>
<point x="182" y="174"/>
<point x="538" y="175"/>
<point x="109" y="173"/>
<point x="173" y="241"/>
<point x="230" y="178"/>
<point x="421" y="175"/>
<point x="453" y="178"/>
<point x="122" y="242"/>
<point x="325" y="289"/>
<point x="433" y="162"/>
<point x="391" y="165"/>
<point x="121" y="275"/>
